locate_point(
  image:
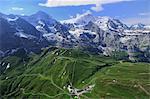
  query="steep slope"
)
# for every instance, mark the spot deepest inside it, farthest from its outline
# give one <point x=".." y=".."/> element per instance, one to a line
<point x="56" y="33"/>
<point x="47" y="76"/>
<point x="42" y="21"/>
<point x="16" y="33"/>
<point x="108" y="36"/>
<point x="40" y="16"/>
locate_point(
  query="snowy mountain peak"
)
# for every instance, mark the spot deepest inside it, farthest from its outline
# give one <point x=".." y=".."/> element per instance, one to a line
<point x="80" y="19"/>
<point x="102" y="22"/>
<point x="140" y="26"/>
<point x="41" y="12"/>
<point x="107" y="23"/>
<point x="41" y="15"/>
<point x="137" y="26"/>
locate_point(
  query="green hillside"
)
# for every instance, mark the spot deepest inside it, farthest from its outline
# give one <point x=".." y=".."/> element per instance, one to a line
<point x="46" y="76"/>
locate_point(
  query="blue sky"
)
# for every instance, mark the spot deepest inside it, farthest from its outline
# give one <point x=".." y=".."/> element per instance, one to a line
<point x="129" y="11"/>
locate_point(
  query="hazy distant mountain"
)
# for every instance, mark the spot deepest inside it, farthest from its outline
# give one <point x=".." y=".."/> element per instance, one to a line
<point x="140" y="26"/>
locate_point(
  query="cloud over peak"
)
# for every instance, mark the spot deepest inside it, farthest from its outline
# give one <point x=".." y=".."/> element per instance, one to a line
<point x="98" y="3"/>
<point x="17" y="8"/>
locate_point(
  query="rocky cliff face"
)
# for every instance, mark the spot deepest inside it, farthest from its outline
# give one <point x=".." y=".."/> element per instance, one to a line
<point x="110" y="35"/>
<point x="16" y="33"/>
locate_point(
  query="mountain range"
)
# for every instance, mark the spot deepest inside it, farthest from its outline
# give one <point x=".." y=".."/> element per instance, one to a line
<point x="96" y="34"/>
<point x="85" y="57"/>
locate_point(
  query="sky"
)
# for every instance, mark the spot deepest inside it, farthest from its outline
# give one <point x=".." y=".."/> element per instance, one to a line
<point x="128" y="11"/>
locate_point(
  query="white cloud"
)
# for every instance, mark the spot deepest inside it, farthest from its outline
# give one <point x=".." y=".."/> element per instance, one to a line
<point x="17" y="8"/>
<point x="79" y="15"/>
<point x="98" y="3"/>
<point x="22" y="14"/>
<point x="97" y="8"/>
<point x="83" y="14"/>
<point x="143" y="20"/>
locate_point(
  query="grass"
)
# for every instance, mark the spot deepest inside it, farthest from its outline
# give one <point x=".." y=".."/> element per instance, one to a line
<point x="44" y="76"/>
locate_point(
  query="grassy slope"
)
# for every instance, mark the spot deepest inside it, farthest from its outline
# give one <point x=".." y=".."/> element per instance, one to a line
<point x="45" y="75"/>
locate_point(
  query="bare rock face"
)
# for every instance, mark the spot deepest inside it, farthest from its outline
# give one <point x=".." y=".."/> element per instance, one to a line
<point x="110" y="35"/>
<point x="15" y="33"/>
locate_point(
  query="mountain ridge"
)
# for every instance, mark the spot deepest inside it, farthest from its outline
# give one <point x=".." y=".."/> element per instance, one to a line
<point x="94" y="33"/>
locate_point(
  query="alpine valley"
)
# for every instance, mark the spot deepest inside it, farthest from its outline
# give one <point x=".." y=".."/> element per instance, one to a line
<point x="85" y="57"/>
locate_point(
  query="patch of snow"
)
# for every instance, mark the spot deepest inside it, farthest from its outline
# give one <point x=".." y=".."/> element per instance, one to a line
<point x="20" y="34"/>
<point x="50" y="36"/>
<point x="102" y="22"/>
<point x="41" y="23"/>
<point x="6" y="77"/>
<point x="41" y="29"/>
<point x="125" y="39"/>
<point x="8" y="66"/>
<point x="23" y="35"/>
<point x="96" y="39"/>
<point x="78" y="32"/>
<point x="53" y="29"/>
<point x="147" y="27"/>
<point x="3" y="64"/>
<point x="14" y="50"/>
<point x="19" y="30"/>
<point x="59" y="37"/>
<point x="11" y="19"/>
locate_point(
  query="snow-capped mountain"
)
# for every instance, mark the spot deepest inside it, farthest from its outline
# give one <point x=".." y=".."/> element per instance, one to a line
<point x="105" y="23"/>
<point x="93" y="33"/>
<point x="50" y="28"/>
<point x="36" y="18"/>
<point x="109" y="35"/>
<point x="42" y="21"/>
<point x="140" y="26"/>
<point x="137" y="26"/>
